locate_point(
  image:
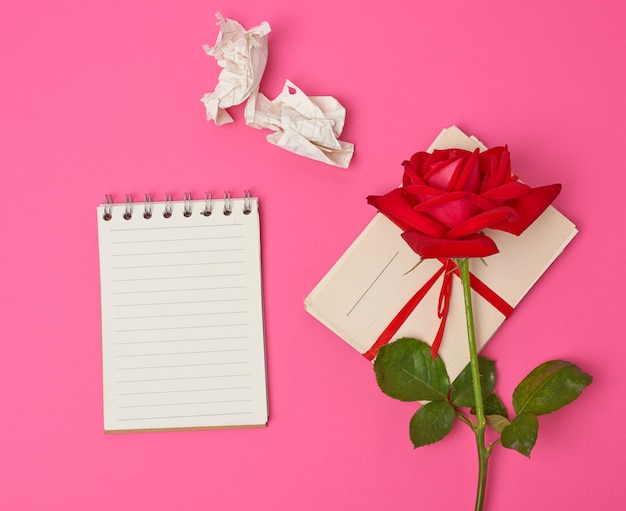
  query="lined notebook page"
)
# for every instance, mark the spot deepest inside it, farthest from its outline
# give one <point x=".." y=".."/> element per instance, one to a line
<point x="182" y="319"/>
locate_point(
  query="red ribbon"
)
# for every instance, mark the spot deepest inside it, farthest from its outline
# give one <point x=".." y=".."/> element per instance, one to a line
<point x="448" y="269"/>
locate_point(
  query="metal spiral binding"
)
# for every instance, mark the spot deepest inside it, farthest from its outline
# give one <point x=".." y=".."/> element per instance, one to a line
<point x="208" y="204"/>
<point x="247" y="203"/>
<point x="108" y="204"/>
<point x="168" y="205"/>
<point x="128" y="207"/>
<point x="187" y="205"/>
<point x="228" y="205"/>
<point x="147" y="206"/>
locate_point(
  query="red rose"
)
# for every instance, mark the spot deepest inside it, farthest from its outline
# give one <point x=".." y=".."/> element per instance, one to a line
<point x="448" y="197"/>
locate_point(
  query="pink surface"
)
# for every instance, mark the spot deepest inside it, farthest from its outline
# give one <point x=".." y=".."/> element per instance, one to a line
<point x="104" y="97"/>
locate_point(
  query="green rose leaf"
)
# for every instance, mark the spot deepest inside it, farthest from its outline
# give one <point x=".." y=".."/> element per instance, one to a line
<point x="493" y="405"/>
<point x="405" y="370"/>
<point x="462" y="389"/>
<point x="497" y="422"/>
<point x="521" y="434"/>
<point x="549" y="387"/>
<point x="431" y="423"/>
<point x="496" y="413"/>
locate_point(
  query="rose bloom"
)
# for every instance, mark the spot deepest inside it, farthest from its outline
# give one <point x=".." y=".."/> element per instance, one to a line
<point x="449" y="197"/>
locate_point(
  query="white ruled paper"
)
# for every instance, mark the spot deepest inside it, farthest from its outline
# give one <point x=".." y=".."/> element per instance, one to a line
<point x="182" y="317"/>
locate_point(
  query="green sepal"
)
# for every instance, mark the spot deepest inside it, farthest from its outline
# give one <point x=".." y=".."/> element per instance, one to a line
<point x="462" y="389"/>
<point x="431" y="423"/>
<point x="405" y="370"/>
<point x="521" y="434"/>
<point x="549" y="387"/>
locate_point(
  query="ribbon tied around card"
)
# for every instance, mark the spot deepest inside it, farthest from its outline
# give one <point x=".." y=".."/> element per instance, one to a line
<point x="448" y="269"/>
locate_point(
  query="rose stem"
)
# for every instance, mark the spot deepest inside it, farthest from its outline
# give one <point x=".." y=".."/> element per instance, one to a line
<point x="483" y="454"/>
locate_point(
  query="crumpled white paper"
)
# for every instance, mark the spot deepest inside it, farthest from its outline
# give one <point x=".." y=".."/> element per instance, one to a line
<point x="243" y="55"/>
<point x="308" y="126"/>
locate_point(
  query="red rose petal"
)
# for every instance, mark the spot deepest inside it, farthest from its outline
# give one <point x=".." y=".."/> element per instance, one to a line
<point x="421" y="190"/>
<point x="413" y="167"/>
<point x="449" y="209"/>
<point x="477" y="245"/>
<point x="511" y="190"/>
<point x="394" y="206"/>
<point x="438" y="200"/>
<point x="529" y="208"/>
<point x="441" y="166"/>
<point x="481" y="221"/>
<point x="495" y="164"/>
<point x="444" y="197"/>
<point x="467" y="176"/>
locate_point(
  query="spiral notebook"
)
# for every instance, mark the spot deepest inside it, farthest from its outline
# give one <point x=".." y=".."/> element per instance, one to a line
<point x="182" y="315"/>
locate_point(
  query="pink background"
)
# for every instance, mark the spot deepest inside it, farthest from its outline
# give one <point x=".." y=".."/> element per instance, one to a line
<point x="104" y="97"/>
